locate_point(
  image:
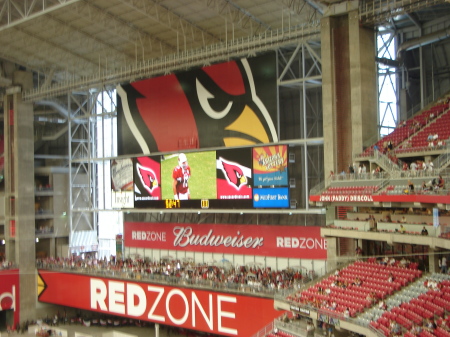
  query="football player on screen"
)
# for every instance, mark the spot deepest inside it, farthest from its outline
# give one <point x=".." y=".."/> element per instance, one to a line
<point x="181" y="174"/>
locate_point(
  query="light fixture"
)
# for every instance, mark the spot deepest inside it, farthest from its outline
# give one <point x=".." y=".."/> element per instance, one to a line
<point x="37" y="239"/>
<point x="199" y="212"/>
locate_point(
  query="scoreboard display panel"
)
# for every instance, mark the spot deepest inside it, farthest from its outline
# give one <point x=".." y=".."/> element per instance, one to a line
<point x="220" y="179"/>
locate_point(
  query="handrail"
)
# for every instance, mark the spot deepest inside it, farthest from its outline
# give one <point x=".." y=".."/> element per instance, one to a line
<point x="318" y="188"/>
<point x="379" y="10"/>
<point x="443" y="160"/>
<point x="386" y="161"/>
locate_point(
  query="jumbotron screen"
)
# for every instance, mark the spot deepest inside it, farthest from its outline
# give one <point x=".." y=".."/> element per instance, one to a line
<point x="241" y="178"/>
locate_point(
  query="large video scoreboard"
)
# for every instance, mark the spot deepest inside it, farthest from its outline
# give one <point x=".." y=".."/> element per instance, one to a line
<point x="242" y="178"/>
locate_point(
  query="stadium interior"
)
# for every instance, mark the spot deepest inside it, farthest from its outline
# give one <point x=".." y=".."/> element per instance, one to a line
<point x="362" y="104"/>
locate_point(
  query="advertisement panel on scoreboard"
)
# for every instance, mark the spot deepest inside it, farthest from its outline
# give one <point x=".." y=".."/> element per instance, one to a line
<point x="270" y="165"/>
<point x="122" y="183"/>
<point x="271" y="197"/>
<point x="234" y="174"/>
<point x="147" y="182"/>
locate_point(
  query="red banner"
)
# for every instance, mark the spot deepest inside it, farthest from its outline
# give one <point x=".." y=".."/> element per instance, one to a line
<point x="280" y="241"/>
<point x="9" y="292"/>
<point x="419" y="198"/>
<point x="218" y="313"/>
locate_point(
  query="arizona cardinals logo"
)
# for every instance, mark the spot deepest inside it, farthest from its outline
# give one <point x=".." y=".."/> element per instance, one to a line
<point x="224" y="105"/>
<point x="235" y="174"/>
<point x="147" y="177"/>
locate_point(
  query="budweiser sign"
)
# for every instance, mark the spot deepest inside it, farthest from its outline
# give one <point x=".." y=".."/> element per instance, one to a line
<point x="278" y="241"/>
<point x="185" y="237"/>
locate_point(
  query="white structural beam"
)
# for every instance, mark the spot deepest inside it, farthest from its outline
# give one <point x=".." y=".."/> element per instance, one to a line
<point x="16" y="12"/>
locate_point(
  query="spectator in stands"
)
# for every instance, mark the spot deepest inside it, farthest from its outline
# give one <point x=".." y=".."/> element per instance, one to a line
<point x="382" y="305"/>
<point x="372" y="222"/>
<point x="445" y="323"/>
<point x="309" y="326"/>
<point x="376" y="172"/>
<point x="403" y="219"/>
<point x="394" y="327"/>
<point x="443" y="264"/>
<point x="357" y="282"/>
<point x="416" y="125"/>
<point x="405" y="169"/>
<point x="424" y="231"/>
<point x="410" y="187"/>
<point x="432" y="284"/>
<point x="390" y="146"/>
<point x="413" y="168"/>
<point x="402" y="229"/>
<point x="415" y="329"/>
<point x="347" y="313"/>
<point x="425" y="187"/>
<point x="333" y="305"/>
<point x="391" y="278"/>
<point x="351" y="169"/>
<point x="441" y="182"/>
<point x="406" y="144"/>
<point x="424" y="167"/>
<point x="430" y="166"/>
<point x="403" y="262"/>
<point x="431" y="325"/>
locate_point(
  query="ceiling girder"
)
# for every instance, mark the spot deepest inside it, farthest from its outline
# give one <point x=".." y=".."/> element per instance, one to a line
<point x="162" y="15"/>
<point x="116" y="26"/>
<point x="16" y="12"/>
<point x="237" y="16"/>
